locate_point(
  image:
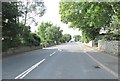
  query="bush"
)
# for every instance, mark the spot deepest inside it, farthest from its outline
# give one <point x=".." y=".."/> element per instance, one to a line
<point x="33" y="40"/>
<point x="6" y="44"/>
<point x="112" y="37"/>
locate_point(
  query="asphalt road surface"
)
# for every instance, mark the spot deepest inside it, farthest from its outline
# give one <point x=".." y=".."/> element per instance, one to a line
<point x="66" y="61"/>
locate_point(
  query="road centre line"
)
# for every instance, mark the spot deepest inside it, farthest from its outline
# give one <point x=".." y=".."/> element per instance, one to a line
<point x="23" y="74"/>
<point x="52" y="54"/>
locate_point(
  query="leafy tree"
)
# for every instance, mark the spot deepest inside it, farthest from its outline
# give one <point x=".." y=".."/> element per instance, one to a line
<point x="42" y="30"/>
<point x="10" y="16"/>
<point x="15" y="34"/>
<point x="53" y="34"/>
<point x="89" y="17"/>
<point x="77" y="38"/>
<point x="31" y="9"/>
<point x="26" y="37"/>
<point x="24" y="34"/>
<point x="66" y="38"/>
<point x="34" y="40"/>
<point x="49" y="33"/>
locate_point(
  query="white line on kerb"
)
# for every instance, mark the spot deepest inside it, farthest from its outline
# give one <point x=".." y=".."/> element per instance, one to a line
<point x="23" y="74"/>
<point x="106" y="68"/>
<point x="52" y="53"/>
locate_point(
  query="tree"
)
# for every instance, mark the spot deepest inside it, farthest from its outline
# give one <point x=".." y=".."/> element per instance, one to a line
<point x="15" y="34"/>
<point x="31" y="9"/>
<point x="53" y="34"/>
<point x="66" y="38"/>
<point x="89" y="17"/>
<point x="10" y="15"/>
<point x="77" y="38"/>
<point x="24" y="33"/>
<point x="34" y="39"/>
<point x="49" y="33"/>
<point x="42" y="30"/>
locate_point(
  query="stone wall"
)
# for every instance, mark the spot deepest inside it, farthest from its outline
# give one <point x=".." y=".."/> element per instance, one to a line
<point x="112" y="47"/>
<point x="13" y="51"/>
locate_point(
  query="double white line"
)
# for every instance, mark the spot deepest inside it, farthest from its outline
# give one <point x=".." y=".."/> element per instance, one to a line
<point x="23" y="74"/>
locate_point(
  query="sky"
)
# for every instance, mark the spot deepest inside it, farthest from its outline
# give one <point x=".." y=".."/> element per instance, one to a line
<point x="52" y="15"/>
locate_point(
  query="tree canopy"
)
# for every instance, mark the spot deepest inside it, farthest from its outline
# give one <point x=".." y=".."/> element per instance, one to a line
<point x="15" y="33"/>
<point x="49" y="33"/>
<point x="30" y="10"/>
<point x="89" y="17"/>
<point x="66" y="38"/>
<point x="77" y="37"/>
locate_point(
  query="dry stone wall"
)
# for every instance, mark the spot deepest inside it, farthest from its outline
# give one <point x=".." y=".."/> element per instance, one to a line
<point x="112" y="47"/>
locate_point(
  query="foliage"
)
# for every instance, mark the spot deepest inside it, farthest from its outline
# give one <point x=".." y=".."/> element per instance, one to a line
<point x="14" y="33"/>
<point x="53" y="34"/>
<point x="66" y="38"/>
<point x="42" y="30"/>
<point x="77" y="38"/>
<point x="49" y="33"/>
<point x="34" y="40"/>
<point x="10" y="16"/>
<point x="89" y="17"/>
<point x="31" y="9"/>
<point x="85" y="38"/>
<point x="110" y="36"/>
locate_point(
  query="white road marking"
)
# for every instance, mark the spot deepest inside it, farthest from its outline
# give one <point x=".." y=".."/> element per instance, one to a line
<point x="52" y="53"/>
<point x="59" y="50"/>
<point x="106" y="68"/>
<point x="51" y="48"/>
<point x="23" y="74"/>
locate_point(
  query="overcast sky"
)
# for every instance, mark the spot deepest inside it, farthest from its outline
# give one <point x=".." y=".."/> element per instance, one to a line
<point x="52" y="15"/>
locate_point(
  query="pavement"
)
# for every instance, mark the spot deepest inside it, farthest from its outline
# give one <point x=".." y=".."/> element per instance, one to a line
<point x="66" y="61"/>
<point x="108" y="61"/>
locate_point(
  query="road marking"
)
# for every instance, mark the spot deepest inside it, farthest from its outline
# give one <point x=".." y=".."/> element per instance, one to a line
<point x="52" y="53"/>
<point x="106" y="68"/>
<point x="23" y="74"/>
<point x="59" y="50"/>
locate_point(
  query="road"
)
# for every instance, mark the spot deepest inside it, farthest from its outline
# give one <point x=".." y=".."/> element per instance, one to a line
<point x="66" y="61"/>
